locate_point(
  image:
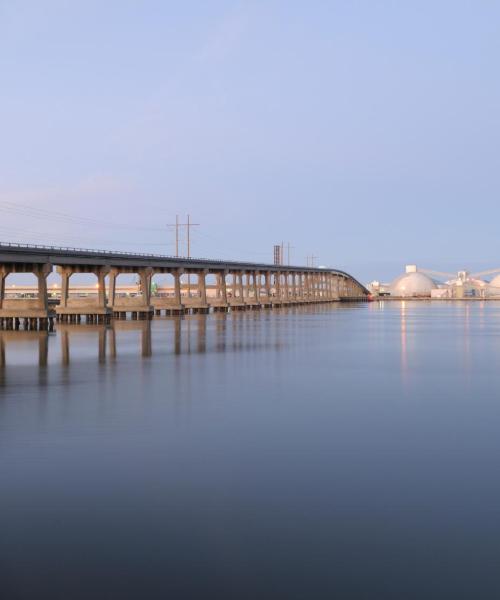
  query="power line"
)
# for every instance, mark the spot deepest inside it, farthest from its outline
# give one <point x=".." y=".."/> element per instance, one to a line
<point x="24" y="210"/>
<point x="188" y="226"/>
<point x="230" y="248"/>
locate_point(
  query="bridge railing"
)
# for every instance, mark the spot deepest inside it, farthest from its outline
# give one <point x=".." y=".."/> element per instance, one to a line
<point x="207" y="261"/>
<point x="93" y="251"/>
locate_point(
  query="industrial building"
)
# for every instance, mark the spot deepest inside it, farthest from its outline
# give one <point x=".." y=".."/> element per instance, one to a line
<point x="425" y="283"/>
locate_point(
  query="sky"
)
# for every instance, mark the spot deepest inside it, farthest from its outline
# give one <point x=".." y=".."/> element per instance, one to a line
<point x="365" y="133"/>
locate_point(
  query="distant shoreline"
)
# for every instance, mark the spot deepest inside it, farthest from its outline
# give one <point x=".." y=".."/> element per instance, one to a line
<point x="417" y="299"/>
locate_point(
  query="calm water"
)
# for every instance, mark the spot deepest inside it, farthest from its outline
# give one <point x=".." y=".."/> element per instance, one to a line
<point x="331" y="452"/>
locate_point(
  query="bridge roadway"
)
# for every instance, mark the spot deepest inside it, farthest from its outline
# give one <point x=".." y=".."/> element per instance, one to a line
<point x="238" y="285"/>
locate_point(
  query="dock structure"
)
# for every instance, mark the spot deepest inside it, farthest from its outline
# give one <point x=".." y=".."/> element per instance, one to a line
<point x="236" y="286"/>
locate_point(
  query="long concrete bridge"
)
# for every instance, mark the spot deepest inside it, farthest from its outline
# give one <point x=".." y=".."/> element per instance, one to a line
<point x="236" y="286"/>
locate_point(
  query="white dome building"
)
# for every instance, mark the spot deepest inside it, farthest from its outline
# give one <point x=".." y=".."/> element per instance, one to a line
<point x="413" y="285"/>
<point x="494" y="286"/>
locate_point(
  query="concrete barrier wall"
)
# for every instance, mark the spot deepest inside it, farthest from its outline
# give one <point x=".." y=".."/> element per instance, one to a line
<point x="21" y="304"/>
<point x="159" y="302"/>
<point x="82" y="302"/>
<point x="136" y="301"/>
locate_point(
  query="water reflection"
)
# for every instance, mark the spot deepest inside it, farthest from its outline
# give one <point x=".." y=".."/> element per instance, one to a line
<point x="166" y="448"/>
<point x="194" y="334"/>
<point x="404" y="348"/>
<point x="22" y="340"/>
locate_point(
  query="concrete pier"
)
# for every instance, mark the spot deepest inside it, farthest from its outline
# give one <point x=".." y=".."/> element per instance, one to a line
<point x="139" y="307"/>
<point x="74" y="309"/>
<point x="26" y="313"/>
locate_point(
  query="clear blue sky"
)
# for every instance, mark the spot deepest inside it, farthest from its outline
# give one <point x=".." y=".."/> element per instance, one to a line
<point x="365" y="132"/>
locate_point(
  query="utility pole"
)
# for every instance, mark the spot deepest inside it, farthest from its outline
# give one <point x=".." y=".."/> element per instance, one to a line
<point x="177" y="236"/>
<point x="310" y="260"/>
<point x="279" y="253"/>
<point x="177" y="225"/>
<point x="188" y="226"/>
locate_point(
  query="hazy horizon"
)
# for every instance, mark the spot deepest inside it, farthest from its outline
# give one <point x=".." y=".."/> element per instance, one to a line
<point x="363" y="133"/>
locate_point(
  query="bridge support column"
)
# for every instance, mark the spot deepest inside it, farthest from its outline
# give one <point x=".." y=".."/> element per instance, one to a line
<point x="202" y="291"/>
<point x="41" y="272"/>
<point x="256" y="286"/>
<point x="218" y="286"/>
<point x="342" y="287"/>
<point x="223" y="287"/>
<point x="237" y="300"/>
<point x="267" y="285"/>
<point x="335" y="290"/>
<point x="221" y="295"/>
<point x="234" y="286"/>
<point x="245" y="287"/>
<point x="284" y="288"/>
<point x="277" y="287"/>
<point x="177" y="287"/>
<point x="306" y="288"/>
<point x="177" y="306"/>
<point x="3" y="277"/>
<point x="145" y="277"/>
<point x="112" y="287"/>
<point x="252" y="290"/>
<point x="241" y="289"/>
<point x="101" y="285"/>
<point x="65" y="273"/>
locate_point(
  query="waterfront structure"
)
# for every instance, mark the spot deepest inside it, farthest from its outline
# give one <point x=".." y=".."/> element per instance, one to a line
<point x="425" y="283"/>
<point x="238" y="285"/>
<point x="494" y="286"/>
<point x="412" y="284"/>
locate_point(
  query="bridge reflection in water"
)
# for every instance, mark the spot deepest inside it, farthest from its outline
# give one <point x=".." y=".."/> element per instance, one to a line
<point x="193" y="334"/>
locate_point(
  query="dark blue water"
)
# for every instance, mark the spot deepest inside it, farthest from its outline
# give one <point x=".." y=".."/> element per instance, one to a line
<point x="345" y="451"/>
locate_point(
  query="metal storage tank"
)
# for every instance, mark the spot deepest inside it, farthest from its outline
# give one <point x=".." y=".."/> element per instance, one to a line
<point x="413" y="285"/>
<point x="494" y="286"/>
